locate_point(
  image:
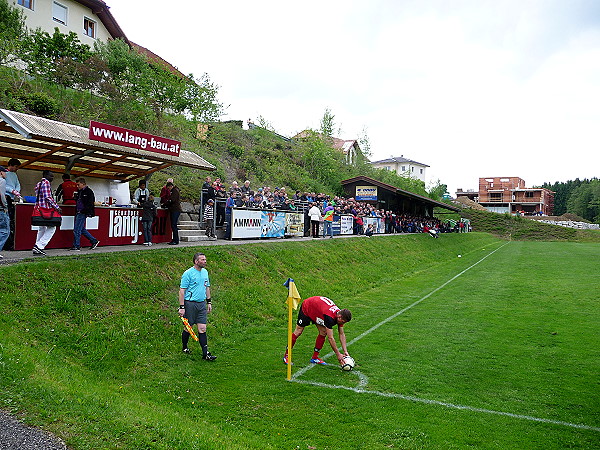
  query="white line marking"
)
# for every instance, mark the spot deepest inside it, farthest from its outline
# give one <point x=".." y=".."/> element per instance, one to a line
<point x="450" y="405"/>
<point x="363" y="379"/>
<point x="393" y="316"/>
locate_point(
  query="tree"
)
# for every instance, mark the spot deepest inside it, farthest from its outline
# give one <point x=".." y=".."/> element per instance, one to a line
<point x="585" y="201"/>
<point x="437" y="190"/>
<point x="43" y="54"/>
<point x="12" y="32"/>
<point x="133" y="77"/>
<point x="365" y="143"/>
<point x="328" y="124"/>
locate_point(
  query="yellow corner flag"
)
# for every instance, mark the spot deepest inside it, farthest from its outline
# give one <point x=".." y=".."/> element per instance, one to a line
<point x="293" y="295"/>
<point x="293" y="300"/>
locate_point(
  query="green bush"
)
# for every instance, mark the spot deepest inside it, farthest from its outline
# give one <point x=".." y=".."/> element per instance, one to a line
<point x="42" y="104"/>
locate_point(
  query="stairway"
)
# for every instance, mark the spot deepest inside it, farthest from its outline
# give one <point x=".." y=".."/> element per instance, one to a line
<point x="190" y="231"/>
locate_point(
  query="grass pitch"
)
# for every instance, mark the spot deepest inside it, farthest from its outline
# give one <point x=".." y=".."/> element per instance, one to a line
<point x="497" y="349"/>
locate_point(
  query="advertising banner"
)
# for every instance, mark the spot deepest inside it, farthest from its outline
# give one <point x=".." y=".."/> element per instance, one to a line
<point x="346" y="225"/>
<point x="111" y="134"/>
<point x="111" y="226"/>
<point x="245" y="223"/>
<point x="252" y="223"/>
<point x="366" y="193"/>
<point x="272" y="224"/>
<point x="379" y="225"/>
<point x="294" y="224"/>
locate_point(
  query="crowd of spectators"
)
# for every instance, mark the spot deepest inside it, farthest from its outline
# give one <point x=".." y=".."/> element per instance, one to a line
<point x="266" y="197"/>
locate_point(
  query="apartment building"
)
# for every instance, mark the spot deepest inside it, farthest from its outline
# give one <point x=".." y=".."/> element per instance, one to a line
<point x="403" y="166"/>
<point x="91" y="20"/>
<point x="509" y="195"/>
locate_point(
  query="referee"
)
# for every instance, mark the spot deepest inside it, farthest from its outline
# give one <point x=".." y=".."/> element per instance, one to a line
<point x="195" y="303"/>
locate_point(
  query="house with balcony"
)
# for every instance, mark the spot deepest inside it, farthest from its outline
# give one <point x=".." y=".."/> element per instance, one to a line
<point x="509" y="195"/>
<point x="403" y="167"/>
<point x="90" y="20"/>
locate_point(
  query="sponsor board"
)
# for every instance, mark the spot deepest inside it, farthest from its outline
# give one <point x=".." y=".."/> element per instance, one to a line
<point x="366" y="193"/>
<point x="111" y="134"/>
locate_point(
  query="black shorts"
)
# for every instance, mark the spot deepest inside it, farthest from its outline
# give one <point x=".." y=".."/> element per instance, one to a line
<point x="303" y="319"/>
<point x="195" y="312"/>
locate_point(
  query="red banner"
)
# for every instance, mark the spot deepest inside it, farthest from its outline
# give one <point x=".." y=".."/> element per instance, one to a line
<point x="111" y="226"/>
<point x="135" y="139"/>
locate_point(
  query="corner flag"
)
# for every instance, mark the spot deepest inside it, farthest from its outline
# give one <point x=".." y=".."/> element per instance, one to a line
<point x="293" y="295"/>
<point x="293" y="300"/>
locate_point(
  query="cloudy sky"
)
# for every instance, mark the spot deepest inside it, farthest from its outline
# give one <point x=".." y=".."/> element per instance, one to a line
<point x="472" y="88"/>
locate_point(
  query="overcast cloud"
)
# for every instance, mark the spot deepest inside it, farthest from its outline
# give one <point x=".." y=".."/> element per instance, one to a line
<point x="472" y="88"/>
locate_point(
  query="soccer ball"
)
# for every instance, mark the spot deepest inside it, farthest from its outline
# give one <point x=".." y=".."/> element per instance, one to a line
<point x="348" y="363"/>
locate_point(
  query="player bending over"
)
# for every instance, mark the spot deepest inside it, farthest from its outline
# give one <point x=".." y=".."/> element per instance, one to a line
<point x="324" y="314"/>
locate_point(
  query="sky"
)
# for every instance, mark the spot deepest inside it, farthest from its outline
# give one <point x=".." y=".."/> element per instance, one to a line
<point x="472" y="88"/>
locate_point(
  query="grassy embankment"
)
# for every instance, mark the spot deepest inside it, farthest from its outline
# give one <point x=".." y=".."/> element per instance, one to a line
<point x="521" y="228"/>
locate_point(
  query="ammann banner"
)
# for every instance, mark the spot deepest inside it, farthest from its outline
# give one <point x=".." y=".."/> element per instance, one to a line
<point x="366" y="193"/>
<point x="111" y="134"/>
<point x="249" y="223"/>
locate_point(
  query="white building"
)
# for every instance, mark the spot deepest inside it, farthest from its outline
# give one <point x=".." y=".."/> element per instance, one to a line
<point x="403" y="166"/>
<point x="91" y="20"/>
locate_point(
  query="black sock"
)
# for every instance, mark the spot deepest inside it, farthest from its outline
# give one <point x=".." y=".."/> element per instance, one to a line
<point x="185" y="337"/>
<point x="203" y="343"/>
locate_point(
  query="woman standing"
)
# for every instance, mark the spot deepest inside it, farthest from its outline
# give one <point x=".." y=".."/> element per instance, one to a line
<point x="44" y="199"/>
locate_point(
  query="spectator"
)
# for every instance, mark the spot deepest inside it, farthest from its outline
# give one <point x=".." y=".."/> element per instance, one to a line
<point x="315" y="218"/>
<point x="84" y="209"/>
<point x="165" y="193"/>
<point x="148" y="215"/>
<point x="328" y="221"/>
<point x="209" y="218"/>
<point x="12" y="192"/>
<point x="4" y="218"/>
<point x="173" y="204"/>
<point x="220" y="199"/>
<point x="65" y="192"/>
<point x="229" y="204"/>
<point x="245" y="189"/>
<point x="141" y="194"/>
<point x="208" y="193"/>
<point x="44" y="199"/>
<point x="241" y="200"/>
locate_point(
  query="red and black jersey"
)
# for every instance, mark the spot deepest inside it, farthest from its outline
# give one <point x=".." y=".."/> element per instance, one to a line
<point x="320" y="310"/>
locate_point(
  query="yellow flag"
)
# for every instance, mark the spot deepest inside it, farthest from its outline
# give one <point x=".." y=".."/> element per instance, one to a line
<point x="293" y="295"/>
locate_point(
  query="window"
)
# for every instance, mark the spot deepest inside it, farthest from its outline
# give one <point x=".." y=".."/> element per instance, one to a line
<point x="89" y="27"/>
<point x="412" y="169"/>
<point x="495" y="196"/>
<point x="26" y="3"/>
<point x="403" y="168"/>
<point x="59" y="13"/>
<point x="528" y="194"/>
<point x="421" y="171"/>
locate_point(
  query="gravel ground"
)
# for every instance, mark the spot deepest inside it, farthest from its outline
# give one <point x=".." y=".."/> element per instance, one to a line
<point x="15" y="435"/>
